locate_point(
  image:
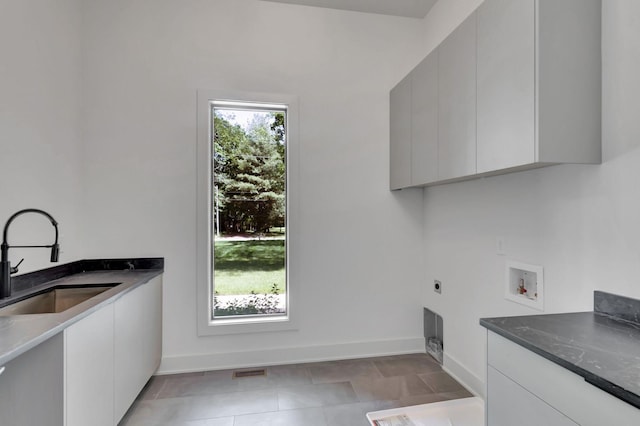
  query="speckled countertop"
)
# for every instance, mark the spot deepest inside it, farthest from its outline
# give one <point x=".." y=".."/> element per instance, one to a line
<point x="601" y="346"/>
<point x="20" y="333"/>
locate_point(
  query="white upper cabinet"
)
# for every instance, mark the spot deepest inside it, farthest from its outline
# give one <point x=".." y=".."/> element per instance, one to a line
<point x="506" y="84"/>
<point x="569" y="82"/>
<point x="400" y="134"/>
<point x="457" y="102"/>
<point x="414" y="126"/>
<point x="517" y="86"/>
<point x="424" y="121"/>
<point x="539" y="79"/>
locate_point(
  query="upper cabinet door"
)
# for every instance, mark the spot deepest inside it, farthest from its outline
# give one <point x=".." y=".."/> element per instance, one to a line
<point x="569" y="81"/>
<point x="506" y="84"/>
<point x="457" y="102"/>
<point x="400" y="135"/>
<point x="424" y="121"/>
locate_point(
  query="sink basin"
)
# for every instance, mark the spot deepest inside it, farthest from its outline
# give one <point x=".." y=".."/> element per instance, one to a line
<point x="55" y="300"/>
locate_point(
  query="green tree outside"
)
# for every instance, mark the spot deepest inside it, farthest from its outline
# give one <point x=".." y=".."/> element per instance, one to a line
<point x="249" y="168"/>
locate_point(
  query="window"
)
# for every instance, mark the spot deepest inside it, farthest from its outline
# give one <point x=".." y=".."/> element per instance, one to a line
<point x="245" y="144"/>
<point x="249" y="210"/>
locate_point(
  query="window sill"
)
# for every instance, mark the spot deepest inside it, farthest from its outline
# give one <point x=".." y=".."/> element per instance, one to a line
<point x="247" y="325"/>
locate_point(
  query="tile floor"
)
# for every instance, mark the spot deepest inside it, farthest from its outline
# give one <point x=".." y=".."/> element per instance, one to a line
<point x="336" y="393"/>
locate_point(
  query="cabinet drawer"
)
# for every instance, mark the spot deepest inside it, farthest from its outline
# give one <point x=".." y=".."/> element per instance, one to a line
<point x="510" y="404"/>
<point x="565" y="391"/>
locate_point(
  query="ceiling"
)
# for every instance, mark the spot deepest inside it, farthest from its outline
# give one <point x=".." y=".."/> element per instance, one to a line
<point x="406" y="8"/>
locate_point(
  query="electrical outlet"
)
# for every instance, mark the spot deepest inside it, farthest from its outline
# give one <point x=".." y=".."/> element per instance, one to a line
<point x="437" y="286"/>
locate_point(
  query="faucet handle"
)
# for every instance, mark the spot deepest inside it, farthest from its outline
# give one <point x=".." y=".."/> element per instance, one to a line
<point x="14" y="269"/>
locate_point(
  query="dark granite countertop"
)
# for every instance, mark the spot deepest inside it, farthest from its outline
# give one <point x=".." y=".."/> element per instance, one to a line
<point x="19" y="333"/>
<point x="601" y="346"/>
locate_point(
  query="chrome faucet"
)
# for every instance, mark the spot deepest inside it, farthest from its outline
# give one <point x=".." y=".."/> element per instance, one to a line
<point x="5" y="266"/>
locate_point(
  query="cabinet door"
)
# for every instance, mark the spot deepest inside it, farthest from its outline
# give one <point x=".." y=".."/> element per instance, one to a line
<point x="570" y="394"/>
<point x="509" y="404"/>
<point x="506" y="84"/>
<point x="31" y="384"/>
<point x="457" y="102"/>
<point x="89" y="370"/>
<point x="400" y="134"/>
<point x="138" y="342"/>
<point x="424" y="121"/>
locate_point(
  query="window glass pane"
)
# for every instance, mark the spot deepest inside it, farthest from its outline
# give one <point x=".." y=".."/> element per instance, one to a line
<point x="249" y="212"/>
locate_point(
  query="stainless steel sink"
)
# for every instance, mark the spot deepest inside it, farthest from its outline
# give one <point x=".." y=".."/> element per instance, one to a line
<point x="54" y="300"/>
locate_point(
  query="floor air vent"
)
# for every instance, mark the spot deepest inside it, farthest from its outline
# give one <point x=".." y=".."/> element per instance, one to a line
<point x="249" y="373"/>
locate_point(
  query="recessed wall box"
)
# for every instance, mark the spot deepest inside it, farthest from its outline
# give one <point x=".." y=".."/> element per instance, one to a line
<point x="525" y="284"/>
<point x="433" y="334"/>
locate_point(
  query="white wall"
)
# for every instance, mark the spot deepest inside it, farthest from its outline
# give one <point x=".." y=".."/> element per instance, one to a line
<point x="40" y="95"/>
<point x="442" y="19"/>
<point x="582" y="223"/>
<point x="360" y="245"/>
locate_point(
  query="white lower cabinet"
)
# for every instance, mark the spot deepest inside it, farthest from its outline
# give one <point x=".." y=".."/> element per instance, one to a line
<point x="110" y="356"/>
<point x="138" y="342"/>
<point x="510" y="404"/>
<point x="89" y="373"/>
<point x="525" y="389"/>
<point x="30" y="386"/>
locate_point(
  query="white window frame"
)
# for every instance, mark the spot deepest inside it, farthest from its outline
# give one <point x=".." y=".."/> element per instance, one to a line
<point x="204" y="265"/>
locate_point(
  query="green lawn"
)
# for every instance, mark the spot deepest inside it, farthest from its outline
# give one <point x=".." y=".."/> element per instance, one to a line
<point x="243" y="266"/>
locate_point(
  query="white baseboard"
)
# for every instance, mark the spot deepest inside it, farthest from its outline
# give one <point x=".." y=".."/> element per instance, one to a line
<point x="300" y="354"/>
<point x="473" y="383"/>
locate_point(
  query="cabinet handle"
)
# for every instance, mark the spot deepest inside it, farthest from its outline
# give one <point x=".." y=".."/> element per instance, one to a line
<point x="2" y="369"/>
